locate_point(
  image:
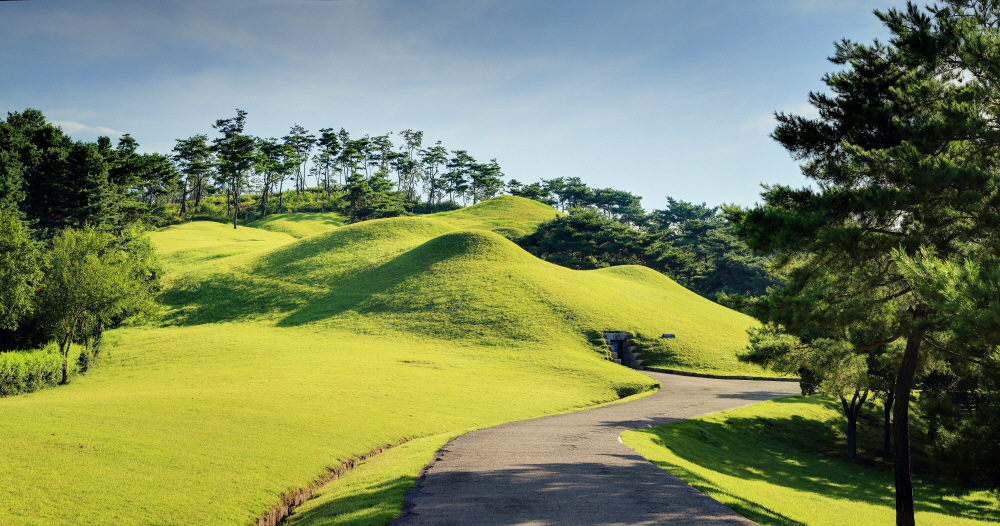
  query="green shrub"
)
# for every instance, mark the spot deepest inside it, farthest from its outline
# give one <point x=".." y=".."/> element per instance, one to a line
<point x="630" y="388"/>
<point x="24" y="372"/>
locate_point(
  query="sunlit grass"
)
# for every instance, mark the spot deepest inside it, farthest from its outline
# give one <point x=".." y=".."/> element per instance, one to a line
<point x="772" y="463"/>
<point x="423" y="274"/>
<point x="278" y="357"/>
<point x="501" y="212"/>
<point x="211" y="424"/>
<point x="300" y="225"/>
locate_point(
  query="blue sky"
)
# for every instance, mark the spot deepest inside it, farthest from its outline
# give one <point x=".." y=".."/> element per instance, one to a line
<point x="655" y="97"/>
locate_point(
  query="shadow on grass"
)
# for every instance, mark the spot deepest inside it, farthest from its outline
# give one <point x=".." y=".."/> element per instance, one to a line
<point x="231" y="297"/>
<point x="800" y="454"/>
<point x="227" y="297"/>
<point x="356" y="292"/>
<point x="754" y="395"/>
<point x="748" y="508"/>
<point x="376" y="503"/>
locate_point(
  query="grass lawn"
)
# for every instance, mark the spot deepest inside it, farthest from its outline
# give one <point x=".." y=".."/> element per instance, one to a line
<point x="284" y="351"/>
<point x="771" y="462"/>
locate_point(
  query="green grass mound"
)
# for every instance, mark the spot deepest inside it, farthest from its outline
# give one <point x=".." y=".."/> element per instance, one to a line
<point x="504" y="211"/>
<point x="300" y="225"/>
<point x="422" y="275"/>
<point x="773" y="463"/>
<point x="199" y="245"/>
<point x="278" y="357"/>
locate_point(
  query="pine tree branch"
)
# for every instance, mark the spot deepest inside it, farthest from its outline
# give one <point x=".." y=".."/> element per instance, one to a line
<point x="934" y="344"/>
<point x="876" y="344"/>
<point x="882" y="231"/>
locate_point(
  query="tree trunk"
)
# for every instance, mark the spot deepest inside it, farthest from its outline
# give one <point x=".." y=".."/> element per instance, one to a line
<point x="281" y="195"/>
<point x="264" y="195"/>
<point x="901" y="414"/>
<point x="887" y="425"/>
<point x="236" y="202"/>
<point x="197" y="192"/>
<point x="64" y="349"/>
<point x="852" y="410"/>
<point x="851" y="427"/>
<point x="184" y="197"/>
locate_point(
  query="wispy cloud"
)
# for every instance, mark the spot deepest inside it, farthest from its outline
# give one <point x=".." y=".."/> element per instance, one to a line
<point x="76" y="128"/>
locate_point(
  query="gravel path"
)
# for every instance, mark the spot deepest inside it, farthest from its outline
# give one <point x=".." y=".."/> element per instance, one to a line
<point x="573" y="470"/>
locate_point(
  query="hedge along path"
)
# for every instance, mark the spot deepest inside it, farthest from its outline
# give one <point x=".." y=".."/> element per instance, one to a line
<point x="572" y="469"/>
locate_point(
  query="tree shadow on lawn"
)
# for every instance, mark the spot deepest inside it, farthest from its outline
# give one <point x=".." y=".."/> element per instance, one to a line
<point x="376" y="503"/>
<point x="463" y="301"/>
<point x="795" y="453"/>
<point x="226" y="297"/>
<point x="231" y="297"/>
<point x="357" y="293"/>
<point x="754" y="395"/>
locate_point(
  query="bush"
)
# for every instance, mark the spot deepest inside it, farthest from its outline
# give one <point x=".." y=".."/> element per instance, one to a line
<point x="630" y="388"/>
<point x="24" y="372"/>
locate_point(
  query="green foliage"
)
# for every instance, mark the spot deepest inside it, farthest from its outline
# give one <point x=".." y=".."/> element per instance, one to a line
<point x="904" y="154"/>
<point x="194" y="160"/>
<point x="237" y="153"/>
<point x="56" y="182"/>
<point x="701" y="251"/>
<point x="92" y="281"/>
<point x="20" y="259"/>
<point x="24" y="372"/>
<point x="571" y="192"/>
<point x="372" y="198"/>
<point x="691" y="243"/>
<point x="964" y="445"/>
<point x="585" y="240"/>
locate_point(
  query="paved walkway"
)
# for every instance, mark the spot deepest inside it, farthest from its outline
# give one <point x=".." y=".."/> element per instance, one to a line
<point x="573" y="470"/>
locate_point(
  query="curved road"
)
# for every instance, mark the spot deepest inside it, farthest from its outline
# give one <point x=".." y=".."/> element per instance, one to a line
<point x="573" y="470"/>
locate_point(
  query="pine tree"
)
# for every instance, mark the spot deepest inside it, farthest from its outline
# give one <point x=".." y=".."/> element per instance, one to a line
<point x="905" y="156"/>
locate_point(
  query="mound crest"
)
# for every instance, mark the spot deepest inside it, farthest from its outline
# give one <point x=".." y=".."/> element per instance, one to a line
<point x="504" y="211"/>
<point x="332" y="255"/>
<point x="481" y="245"/>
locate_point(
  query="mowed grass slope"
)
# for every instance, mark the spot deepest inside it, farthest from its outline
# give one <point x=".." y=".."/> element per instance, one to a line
<point x="278" y="357"/>
<point x="427" y="275"/>
<point x="300" y="225"/>
<point x="768" y="462"/>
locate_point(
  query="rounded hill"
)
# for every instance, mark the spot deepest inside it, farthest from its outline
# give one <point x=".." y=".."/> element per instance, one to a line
<point x="426" y="276"/>
<point x="499" y="212"/>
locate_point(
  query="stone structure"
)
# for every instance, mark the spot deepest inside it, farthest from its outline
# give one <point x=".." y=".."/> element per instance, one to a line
<point x="623" y="351"/>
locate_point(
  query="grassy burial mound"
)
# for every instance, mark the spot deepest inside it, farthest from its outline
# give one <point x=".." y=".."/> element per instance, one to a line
<point x="280" y="357"/>
<point x="438" y="277"/>
<point x="782" y="463"/>
<point x="300" y="225"/>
